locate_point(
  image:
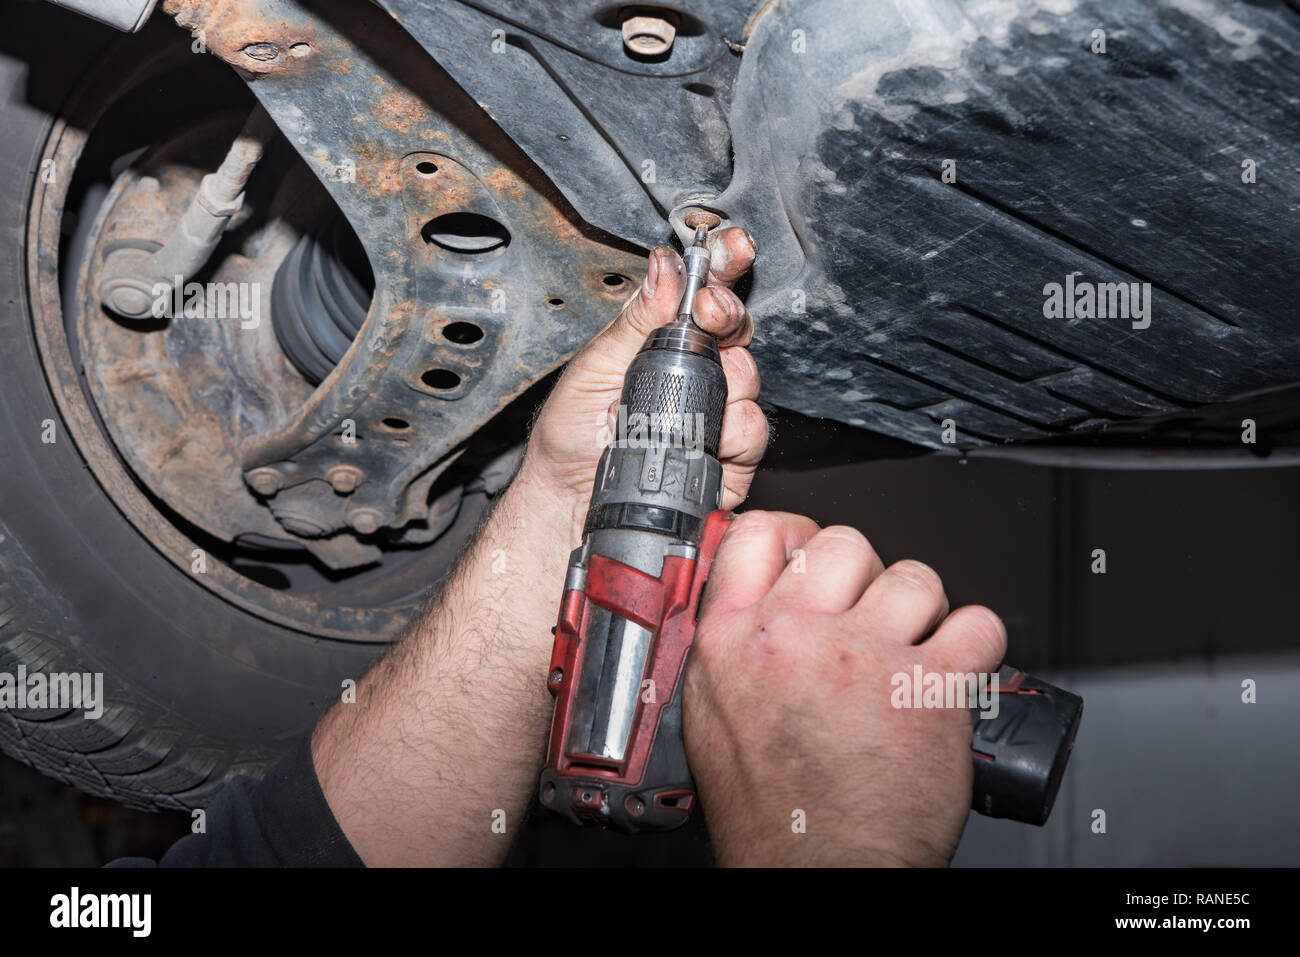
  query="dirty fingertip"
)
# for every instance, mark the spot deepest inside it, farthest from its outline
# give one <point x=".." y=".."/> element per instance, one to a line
<point x="719" y="253"/>
<point x="714" y="312"/>
<point x="732" y="251"/>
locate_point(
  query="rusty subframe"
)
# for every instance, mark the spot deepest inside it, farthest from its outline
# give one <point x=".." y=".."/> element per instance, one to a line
<point x="365" y="447"/>
<point x="195" y="408"/>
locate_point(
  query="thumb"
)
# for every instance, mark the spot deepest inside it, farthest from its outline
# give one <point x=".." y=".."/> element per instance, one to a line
<point x="654" y="304"/>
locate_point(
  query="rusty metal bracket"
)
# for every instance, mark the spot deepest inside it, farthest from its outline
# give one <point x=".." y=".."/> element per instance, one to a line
<point x="485" y="280"/>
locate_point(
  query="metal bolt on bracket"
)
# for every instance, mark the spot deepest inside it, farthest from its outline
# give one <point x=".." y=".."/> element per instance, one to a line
<point x="345" y="478"/>
<point x="365" y="521"/>
<point x="647" y="33"/>
<point x="264" y="481"/>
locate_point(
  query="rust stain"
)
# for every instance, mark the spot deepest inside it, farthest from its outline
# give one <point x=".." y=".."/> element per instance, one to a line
<point x="377" y="172"/>
<point x="173" y="450"/>
<point x="503" y="180"/>
<point x="227" y="27"/>
<point x="754" y="17"/>
<point x="401" y="111"/>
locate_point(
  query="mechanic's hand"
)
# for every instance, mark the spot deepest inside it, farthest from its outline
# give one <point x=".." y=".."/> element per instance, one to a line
<point x="568" y="438"/>
<point x="788" y="701"/>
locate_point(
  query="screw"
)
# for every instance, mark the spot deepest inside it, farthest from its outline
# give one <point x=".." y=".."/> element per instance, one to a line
<point x="365" y="521"/>
<point x="264" y="481"/>
<point x="649" y="35"/>
<point x="557" y="676"/>
<point x="345" y="478"/>
<point x="702" y="217"/>
<point x="261" y="51"/>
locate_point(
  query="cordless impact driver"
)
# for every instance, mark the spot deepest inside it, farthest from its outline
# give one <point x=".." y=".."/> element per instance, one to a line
<point x="631" y="598"/>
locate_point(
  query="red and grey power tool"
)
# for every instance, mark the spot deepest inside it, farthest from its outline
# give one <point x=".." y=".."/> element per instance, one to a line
<point x="616" y="756"/>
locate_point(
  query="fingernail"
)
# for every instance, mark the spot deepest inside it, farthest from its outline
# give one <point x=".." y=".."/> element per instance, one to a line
<point x="726" y="302"/>
<point x="651" y="276"/>
<point x="750" y="237"/>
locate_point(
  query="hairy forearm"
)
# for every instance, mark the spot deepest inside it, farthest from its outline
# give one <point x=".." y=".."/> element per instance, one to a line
<point x="435" y="762"/>
<point x="448" y="731"/>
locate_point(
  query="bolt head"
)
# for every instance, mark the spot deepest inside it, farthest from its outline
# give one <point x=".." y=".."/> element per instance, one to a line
<point x="261" y="51"/>
<point x="264" y="481"/>
<point x="345" y="478"/>
<point x="702" y="217"/>
<point x="649" y="36"/>
<point x="365" y="521"/>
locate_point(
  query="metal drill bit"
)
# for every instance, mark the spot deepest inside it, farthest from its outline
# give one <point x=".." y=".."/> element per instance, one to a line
<point x="696" y="258"/>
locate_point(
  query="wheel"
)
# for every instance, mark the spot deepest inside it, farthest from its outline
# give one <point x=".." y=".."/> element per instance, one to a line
<point x="216" y="645"/>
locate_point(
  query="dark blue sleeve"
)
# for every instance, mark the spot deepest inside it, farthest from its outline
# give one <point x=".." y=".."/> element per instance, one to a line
<point x="281" y="821"/>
